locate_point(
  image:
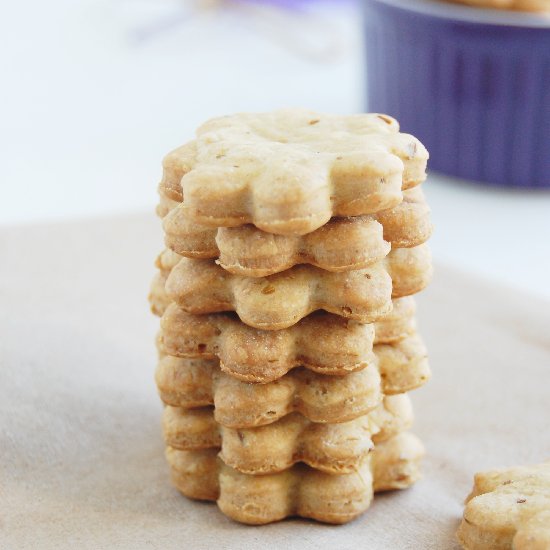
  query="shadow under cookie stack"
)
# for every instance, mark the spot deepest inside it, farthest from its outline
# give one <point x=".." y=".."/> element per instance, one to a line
<point x="288" y="343"/>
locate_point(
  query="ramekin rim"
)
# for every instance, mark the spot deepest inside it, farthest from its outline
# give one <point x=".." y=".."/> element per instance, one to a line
<point x="470" y="14"/>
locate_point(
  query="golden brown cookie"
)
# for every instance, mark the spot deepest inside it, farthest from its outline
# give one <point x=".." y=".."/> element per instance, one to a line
<point x="243" y="359"/>
<point x="281" y="300"/>
<point x="508" y="508"/>
<point x="187" y="383"/>
<point x="190" y="383"/>
<point x="395" y="325"/>
<point x="403" y="365"/>
<point x="332" y="448"/>
<point x="288" y="172"/>
<point x="321" y="341"/>
<point x="342" y="244"/>
<point x="300" y="490"/>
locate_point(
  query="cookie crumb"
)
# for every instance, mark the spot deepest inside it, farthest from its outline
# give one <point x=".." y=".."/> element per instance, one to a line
<point x="386" y="119"/>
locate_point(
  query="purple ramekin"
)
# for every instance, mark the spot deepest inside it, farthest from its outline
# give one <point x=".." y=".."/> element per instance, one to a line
<point x="473" y="85"/>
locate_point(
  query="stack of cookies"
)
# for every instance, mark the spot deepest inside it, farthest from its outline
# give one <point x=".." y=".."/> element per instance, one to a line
<point x="288" y="342"/>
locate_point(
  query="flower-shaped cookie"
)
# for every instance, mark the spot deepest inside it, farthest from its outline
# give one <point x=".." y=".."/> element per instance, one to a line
<point x="508" y="508"/>
<point x="342" y="244"/>
<point x="290" y="171"/>
<point x="300" y="490"/>
<point x="395" y="325"/>
<point x="281" y="300"/>
<point x="332" y="448"/>
<point x="321" y="342"/>
<point x="188" y="383"/>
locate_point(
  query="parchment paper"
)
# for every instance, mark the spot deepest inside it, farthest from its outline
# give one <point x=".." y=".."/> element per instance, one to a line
<point x="82" y="460"/>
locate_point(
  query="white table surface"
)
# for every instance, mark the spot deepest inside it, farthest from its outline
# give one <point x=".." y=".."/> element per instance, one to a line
<point x="95" y="92"/>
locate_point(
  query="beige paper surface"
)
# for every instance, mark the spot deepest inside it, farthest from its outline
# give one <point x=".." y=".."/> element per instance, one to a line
<point x="81" y="453"/>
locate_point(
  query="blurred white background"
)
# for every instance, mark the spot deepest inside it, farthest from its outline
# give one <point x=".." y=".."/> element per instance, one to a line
<point x="95" y="92"/>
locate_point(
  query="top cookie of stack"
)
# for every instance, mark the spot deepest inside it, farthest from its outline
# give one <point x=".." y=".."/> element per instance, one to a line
<point x="288" y="172"/>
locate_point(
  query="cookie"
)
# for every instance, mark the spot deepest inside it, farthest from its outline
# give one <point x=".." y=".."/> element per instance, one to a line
<point x="342" y="244"/>
<point x="396" y="463"/>
<point x="300" y="490"/>
<point x="166" y="205"/>
<point x="159" y="301"/>
<point x="403" y="365"/>
<point x="508" y="508"/>
<point x="332" y="448"/>
<point x="395" y="325"/>
<point x="190" y="383"/>
<point x="399" y="323"/>
<point x="321" y="342"/>
<point x="288" y="172"/>
<point x="281" y="300"/>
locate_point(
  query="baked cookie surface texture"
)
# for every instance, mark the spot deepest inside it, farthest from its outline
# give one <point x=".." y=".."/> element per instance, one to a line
<point x="508" y="508"/>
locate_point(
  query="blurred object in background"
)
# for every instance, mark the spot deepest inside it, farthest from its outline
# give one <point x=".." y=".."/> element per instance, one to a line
<point x="105" y="87"/>
<point x="519" y="5"/>
<point x="292" y="24"/>
<point x="472" y="84"/>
